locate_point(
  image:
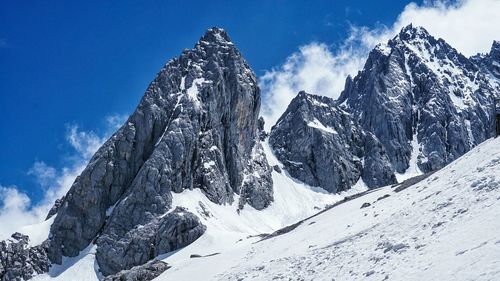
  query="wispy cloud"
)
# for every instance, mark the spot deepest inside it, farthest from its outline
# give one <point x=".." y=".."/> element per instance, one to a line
<point x="3" y="43"/>
<point x="314" y="68"/>
<point x="17" y="209"/>
<point x="468" y="25"/>
<point x="85" y="143"/>
<point x="114" y="122"/>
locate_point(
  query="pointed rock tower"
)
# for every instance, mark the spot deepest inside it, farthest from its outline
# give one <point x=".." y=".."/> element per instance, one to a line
<point x="426" y="103"/>
<point x="195" y="127"/>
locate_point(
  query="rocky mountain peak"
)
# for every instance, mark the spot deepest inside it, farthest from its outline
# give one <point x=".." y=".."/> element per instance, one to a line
<point x="216" y="35"/>
<point x="495" y="53"/>
<point x="410" y="32"/>
<point x="418" y="40"/>
<point x="422" y="99"/>
<point x="311" y="100"/>
<point x="417" y="99"/>
<point x="320" y="144"/>
<point x="495" y="46"/>
<point x="195" y="128"/>
<point x="490" y="63"/>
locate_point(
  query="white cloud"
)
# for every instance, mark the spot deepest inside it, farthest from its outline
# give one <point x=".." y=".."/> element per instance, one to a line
<point x="16" y="209"/>
<point x="85" y="143"/>
<point x="468" y="25"/>
<point x="114" y="122"/>
<point x="315" y="69"/>
<point x="43" y="173"/>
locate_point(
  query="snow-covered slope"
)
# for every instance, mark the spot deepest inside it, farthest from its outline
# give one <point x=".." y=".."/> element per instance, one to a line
<point x="442" y="228"/>
<point x="227" y="230"/>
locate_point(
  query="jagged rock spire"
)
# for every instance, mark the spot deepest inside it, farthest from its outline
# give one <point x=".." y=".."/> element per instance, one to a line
<point x="195" y="127"/>
<point x="427" y="103"/>
<point x="216" y="35"/>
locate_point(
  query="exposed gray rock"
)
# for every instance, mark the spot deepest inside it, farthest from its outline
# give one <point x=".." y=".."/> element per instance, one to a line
<point x="195" y="256"/>
<point x="195" y="127"/>
<point x="55" y="208"/>
<point x="256" y="188"/>
<point x="489" y="63"/>
<point x="277" y="169"/>
<point x="365" y="205"/>
<point x="18" y="261"/>
<point x="417" y="94"/>
<point x="145" y="272"/>
<point x="175" y="230"/>
<point x="416" y="97"/>
<point x="319" y="144"/>
<point x="377" y="169"/>
<point x="260" y="126"/>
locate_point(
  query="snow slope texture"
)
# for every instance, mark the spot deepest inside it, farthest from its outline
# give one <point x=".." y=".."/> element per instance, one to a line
<point x="227" y="229"/>
<point x="442" y="228"/>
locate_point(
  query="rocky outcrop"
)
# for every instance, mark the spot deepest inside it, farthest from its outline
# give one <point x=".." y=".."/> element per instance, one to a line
<point x="421" y="98"/>
<point x="175" y="230"/>
<point x="490" y="62"/>
<point x="319" y="144"/>
<point x="195" y="127"/>
<point x="416" y="102"/>
<point x="18" y="261"/>
<point x="145" y="272"/>
<point x="55" y="208"/>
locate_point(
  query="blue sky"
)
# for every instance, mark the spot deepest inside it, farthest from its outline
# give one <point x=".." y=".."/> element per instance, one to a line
<point x="65" y="64"/>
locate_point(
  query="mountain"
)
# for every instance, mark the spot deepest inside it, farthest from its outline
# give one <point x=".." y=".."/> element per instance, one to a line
<point x="320" y="144"/>
<point x="444" y="227"/>
<point x="192" y="187"/>
<point x="417" y="105"/>
<point x="195" y="127"/>
<point x="426" y="103"/>
<point x="490" y="63"/>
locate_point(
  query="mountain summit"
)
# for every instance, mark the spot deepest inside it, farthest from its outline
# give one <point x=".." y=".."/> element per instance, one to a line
<point x="427" y="103"/>
<point x="195" y="127"/>
<point x="216" y="35"/>
<point x="417" y="105"/>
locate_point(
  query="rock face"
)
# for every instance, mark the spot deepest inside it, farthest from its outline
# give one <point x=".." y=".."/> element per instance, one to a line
<point x="173" y="231"/>
<point x="423" y="99"/>
<point x="319" y="144"/>
<point x="417" y="102"/>
<point x="145" y="272"/>
<point x="20" y="262"/>
<point x="55" y="208"/>
<point x="195" y="127"/>
<point x="490" y="63"/>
